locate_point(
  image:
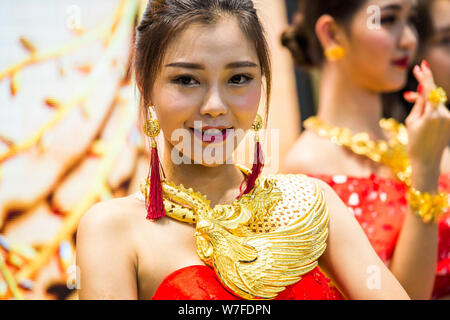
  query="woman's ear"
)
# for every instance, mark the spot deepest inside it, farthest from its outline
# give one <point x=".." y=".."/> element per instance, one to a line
<point x="328" y="32"/>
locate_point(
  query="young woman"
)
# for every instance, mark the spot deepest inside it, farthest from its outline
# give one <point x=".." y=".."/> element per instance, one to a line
<point x="434" y="26"/>
<point x="437" y="47"/>
<point x="360" y="57"/>
<point x="201" y="65"/>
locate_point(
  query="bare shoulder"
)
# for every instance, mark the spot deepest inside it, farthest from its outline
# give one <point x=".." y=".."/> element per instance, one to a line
<point x="114" y="215"/>
<point x="310" y="154"/>
<point x="330" y="195"/>
<point x="338" y="210"/>
<point x="106" y="250"/>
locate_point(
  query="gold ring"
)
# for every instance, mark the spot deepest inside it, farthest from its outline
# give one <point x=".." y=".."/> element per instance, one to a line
<point x="437" y="96"/>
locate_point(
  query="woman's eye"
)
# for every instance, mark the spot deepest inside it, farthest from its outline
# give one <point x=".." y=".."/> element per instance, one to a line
<point x="414" y="20"/>
<point x="240" y="79"/>
<point x="389" y="20"/>
<point x="185" y="81"/>
<point x="445" y="41"/>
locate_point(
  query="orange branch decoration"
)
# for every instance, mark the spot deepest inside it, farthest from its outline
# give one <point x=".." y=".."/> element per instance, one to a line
<point x="112" y="32"/>
<point x="128" y="13"/>
<point x="10" y="281"/>
<point x="36" y="56"/>
<point x="98" y="188"/>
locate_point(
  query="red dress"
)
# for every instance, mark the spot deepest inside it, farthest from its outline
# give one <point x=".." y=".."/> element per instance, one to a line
<point x="201" y="283"/>
<point x="380" y="206"/>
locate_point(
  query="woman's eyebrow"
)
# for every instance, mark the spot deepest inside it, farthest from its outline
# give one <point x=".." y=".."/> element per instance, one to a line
<point x="395" y="7"/>
<point x="240" y="64"/>
<point x="186" y="65"/>
<point x="232" y="65"/>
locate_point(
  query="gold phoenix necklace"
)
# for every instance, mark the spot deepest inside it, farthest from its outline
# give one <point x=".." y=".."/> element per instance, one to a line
<point x="262" y="242"/>
<point x="392" y="153"/>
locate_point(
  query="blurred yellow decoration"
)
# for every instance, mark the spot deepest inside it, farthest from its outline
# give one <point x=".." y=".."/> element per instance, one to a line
<point x="392" y="153"/>
<point x="428" y="207"/>
<point x="437" y="96"/>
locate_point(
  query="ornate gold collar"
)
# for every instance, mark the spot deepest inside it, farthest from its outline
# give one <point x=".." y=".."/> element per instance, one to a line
<point x="262" y="242"/>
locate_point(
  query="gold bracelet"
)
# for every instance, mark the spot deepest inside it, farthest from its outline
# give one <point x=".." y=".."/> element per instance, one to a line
<point x="437" y="96"/>
<point x="428" y="207"/>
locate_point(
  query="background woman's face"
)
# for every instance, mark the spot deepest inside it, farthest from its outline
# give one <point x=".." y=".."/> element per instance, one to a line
<point x="210" y="81"/>
<point x="378" y="56"/>
<point x="437" y="53"/>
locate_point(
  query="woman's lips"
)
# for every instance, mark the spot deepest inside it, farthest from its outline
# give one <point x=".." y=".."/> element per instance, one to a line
<point x="211" y="135"/>
<point x="402" y="63"/>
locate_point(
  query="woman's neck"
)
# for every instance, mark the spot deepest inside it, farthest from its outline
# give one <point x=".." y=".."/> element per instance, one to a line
<point x="344" y="103"/>
<point x="219" y="184"/>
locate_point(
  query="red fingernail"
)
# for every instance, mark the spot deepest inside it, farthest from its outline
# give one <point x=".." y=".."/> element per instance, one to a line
<point x="407" y="94"/>
<point x="419" y="88"/>
<point x="425" y="64"/>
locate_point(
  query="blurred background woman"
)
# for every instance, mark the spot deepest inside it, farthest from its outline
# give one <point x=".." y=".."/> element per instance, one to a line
<point x="383" y="171"/>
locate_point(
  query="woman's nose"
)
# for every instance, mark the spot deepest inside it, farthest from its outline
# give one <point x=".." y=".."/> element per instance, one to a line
<point x="408" y="38"/>
<point x="213" y="104"/>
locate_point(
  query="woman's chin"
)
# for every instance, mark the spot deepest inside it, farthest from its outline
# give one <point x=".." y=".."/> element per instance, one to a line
<point x="396" y="84"/>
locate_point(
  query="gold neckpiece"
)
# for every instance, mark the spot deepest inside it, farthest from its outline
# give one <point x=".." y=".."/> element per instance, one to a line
<point x="392" y="153"/>
<point x="262" y="242"/>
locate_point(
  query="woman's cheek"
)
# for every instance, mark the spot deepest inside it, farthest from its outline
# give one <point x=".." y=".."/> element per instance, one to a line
<point x="245" y="106"/>
<point x="379" y="45"/>
<point x="440" y="65"/>
<point x="176" y="105"/>
<point x="173" y="109"/>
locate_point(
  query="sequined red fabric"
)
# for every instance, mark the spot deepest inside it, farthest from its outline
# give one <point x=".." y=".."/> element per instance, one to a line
<point x="380" y="207"/>
<point x="201" y="283"/>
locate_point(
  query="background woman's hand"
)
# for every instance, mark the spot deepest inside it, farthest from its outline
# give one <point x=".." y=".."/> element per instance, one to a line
<point x="428" y="128"/>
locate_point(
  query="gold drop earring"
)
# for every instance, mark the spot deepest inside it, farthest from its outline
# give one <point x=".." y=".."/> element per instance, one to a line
<point x="258" y="161"/>
<point x="154" y="199"/>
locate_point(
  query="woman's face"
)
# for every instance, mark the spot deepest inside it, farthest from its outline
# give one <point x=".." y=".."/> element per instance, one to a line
<point x="378" y="55"/>
<point x="209" y="86"/>
<point x="437" y="52"/>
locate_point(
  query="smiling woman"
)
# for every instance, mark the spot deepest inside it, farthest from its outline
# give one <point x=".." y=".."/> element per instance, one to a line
<point x="230" y="232"/>
<point x="208" y="83"/>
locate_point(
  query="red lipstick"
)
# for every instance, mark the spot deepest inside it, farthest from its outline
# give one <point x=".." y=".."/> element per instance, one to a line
<point x="210" y="134"/>
<point x="402" y="62"/>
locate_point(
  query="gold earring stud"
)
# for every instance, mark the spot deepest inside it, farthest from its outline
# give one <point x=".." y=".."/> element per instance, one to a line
<point x="335" y="53"/>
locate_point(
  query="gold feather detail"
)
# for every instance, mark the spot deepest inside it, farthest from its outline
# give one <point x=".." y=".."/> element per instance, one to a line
<point x="262" y="242"/>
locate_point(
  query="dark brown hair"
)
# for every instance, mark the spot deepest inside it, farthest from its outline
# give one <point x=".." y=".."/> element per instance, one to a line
<point x="300" y="38"/>
<point x="164" y="19"/>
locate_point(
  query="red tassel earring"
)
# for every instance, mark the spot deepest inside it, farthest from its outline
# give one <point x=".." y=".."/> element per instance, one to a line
<point x="258" y="162"/>
<point x="154" y="199"/>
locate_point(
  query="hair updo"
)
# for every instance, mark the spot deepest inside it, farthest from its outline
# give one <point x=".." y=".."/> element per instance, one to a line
<point x="301" y="39"/>
<point x="164" y="19"/>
